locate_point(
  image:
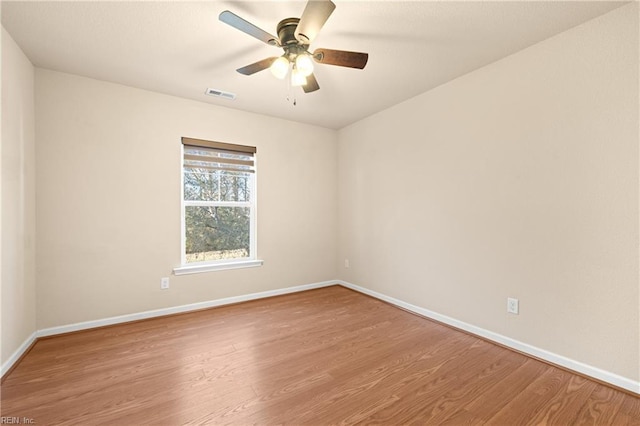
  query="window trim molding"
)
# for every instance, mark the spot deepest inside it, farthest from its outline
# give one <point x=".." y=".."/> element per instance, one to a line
<point x="196" y="268"/>
<point x="219" y="265"/>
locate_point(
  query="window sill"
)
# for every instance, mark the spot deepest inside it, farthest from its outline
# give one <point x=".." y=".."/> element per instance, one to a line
<point x="208" y="267"/>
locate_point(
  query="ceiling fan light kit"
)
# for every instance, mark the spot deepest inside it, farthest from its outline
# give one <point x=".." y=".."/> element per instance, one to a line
<point x="294" y="37"/>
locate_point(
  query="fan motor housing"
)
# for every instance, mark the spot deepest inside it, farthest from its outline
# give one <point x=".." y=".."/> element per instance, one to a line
<point x="286" y="31"/>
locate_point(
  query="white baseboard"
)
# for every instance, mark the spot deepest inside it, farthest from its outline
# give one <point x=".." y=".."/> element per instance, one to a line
<point x="178" y="309"/>
<point x="580" y="367"/>
<point x="588" y="370"/>
<point x="151" y="314"/>
<point x="18" y="354"/>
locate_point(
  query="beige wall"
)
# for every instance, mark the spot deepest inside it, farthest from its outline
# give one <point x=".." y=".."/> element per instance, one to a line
<point x="519" y="179"/>
<point x="18" y="199"/>
<point x="109" y="199"/>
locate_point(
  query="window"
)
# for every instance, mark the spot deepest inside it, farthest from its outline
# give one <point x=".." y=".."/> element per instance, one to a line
<point x="218" y="206"/>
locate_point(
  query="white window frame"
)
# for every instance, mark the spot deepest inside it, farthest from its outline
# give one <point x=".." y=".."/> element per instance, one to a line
<point x="223" y="264"/>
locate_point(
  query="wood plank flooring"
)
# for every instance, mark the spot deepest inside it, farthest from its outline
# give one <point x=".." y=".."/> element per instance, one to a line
<point x="326" y="356"/>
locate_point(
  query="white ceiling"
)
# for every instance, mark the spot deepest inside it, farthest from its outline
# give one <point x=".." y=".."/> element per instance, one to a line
<point x="180" y="48"/>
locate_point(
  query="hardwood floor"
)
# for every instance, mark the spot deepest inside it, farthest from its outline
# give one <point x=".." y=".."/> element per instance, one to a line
<point x="326" y="356"/>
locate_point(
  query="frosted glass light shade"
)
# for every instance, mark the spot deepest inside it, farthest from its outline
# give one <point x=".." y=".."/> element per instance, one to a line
<point x="280" y="67"/>
<point x="304" y="64"/>
<point x="297" y="78"/>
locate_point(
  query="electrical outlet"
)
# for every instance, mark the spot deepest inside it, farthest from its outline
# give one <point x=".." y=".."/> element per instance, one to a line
<point x="346" y="263"/>
<point x="512" y="305"/>
<point x="164" y="283"/>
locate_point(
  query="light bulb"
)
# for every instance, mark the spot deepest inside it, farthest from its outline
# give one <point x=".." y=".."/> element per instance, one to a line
<point x="280" y="67"/>
<point x="304" y="64"/>
<point x="297" y="78"/>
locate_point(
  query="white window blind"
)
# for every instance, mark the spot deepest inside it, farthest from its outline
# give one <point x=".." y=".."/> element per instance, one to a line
<point x="211" y="155"/>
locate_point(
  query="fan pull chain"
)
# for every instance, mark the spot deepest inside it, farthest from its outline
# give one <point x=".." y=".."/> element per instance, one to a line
<point x="289" y="86"/>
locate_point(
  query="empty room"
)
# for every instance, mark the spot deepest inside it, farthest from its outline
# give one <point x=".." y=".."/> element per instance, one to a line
<point x="320" y="212"/>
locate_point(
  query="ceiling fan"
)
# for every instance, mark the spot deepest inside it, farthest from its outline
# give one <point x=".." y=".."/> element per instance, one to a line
<point x="294" y="37"/>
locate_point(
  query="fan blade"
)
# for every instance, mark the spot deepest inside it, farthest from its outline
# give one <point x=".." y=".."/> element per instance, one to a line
<point x="248" y="28"/>
<point x="313" y="18"/>
<point x="341" y="58"/>
<point x="311" y="85"/>
<point x="257" y="66"/>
